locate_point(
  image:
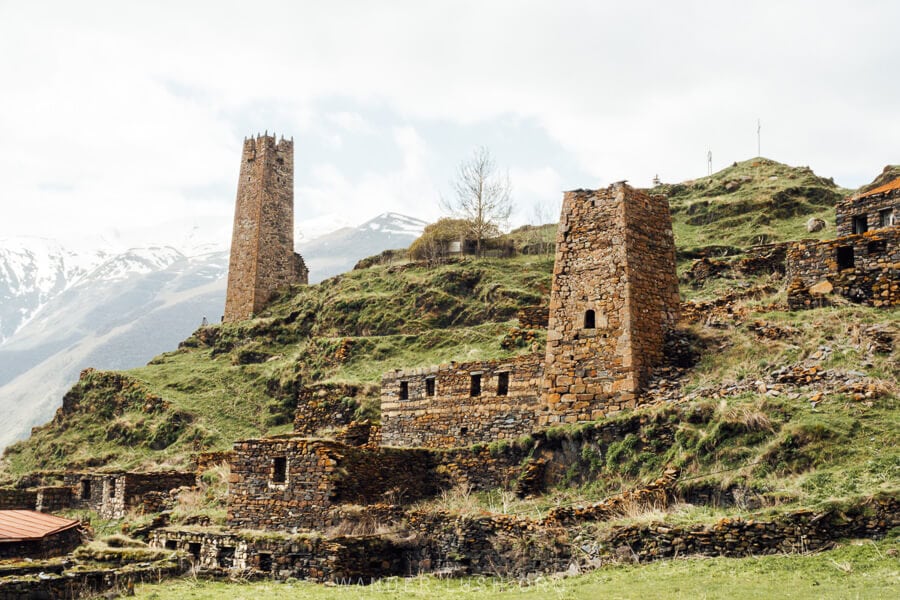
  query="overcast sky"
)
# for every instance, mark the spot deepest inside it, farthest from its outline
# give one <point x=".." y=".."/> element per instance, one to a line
<point x="115" y="114"/>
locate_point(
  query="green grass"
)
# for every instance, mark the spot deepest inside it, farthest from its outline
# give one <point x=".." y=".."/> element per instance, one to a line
<point x="768" y="202"/>
<point x="865" y="570"/>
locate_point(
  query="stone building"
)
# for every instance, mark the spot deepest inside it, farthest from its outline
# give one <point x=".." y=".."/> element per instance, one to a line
<point x="461" y="403"/>
<point x="875" y="209"/>
<point x="862" y="265"/>
<point x="262" y="243"/>
<point x="614" y="296"/>
<point x="111" y="495"/>
<point x="30" y="534"/>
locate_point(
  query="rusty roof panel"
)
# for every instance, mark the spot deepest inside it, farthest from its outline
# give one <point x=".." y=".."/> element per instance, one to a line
<point x="21" y="525"/>
<point x="893" y="185"/>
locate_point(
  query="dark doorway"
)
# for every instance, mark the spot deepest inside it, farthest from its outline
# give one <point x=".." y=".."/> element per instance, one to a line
<point x="589" y="320"/>
<point x="845" y="257"/>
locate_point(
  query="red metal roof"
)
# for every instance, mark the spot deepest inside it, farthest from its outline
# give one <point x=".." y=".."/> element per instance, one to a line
<point x="893" y="185"/>
<point x="20" y="525"/>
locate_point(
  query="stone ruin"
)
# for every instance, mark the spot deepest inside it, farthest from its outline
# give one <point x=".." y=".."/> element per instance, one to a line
<point x="262" y="243"/>
<point x="613" y="298"/>
<point x="861" y="265"/>
<point x="110" y="495"/>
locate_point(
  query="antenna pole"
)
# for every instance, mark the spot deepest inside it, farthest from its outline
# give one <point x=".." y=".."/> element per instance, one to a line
<point x="758" y="138"/>
<point x="709" y="162"/>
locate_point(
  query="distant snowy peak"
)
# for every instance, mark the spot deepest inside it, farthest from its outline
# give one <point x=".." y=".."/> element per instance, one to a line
<point x="34" y="270"/>
<point x="395" y="223"/>
<point x="37" y="264"/>
<point x="136" y="261"/>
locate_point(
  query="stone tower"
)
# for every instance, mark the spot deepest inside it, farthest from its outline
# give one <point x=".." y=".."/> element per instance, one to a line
<point x="262" y="242"/>
<point x="614" y="295"/>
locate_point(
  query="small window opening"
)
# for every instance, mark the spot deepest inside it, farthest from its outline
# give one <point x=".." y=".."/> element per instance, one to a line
<point x="876" y="247"/>
<point x="279" y="469"/>
<point x="463" y="431"/>
<point x="85" y="489"/>
<point x="404" y="390"/>
<point x="429" y="386"/>
<point x="475" y="385"/>
<point x="279" y="160"/>
<point x="171" y="544"/>
<point x="194" y="549"/>
<point x="226" y="557"/>
<point x="502" y="384"/>
<point x="886" y="217"/>
<point x="265" y="562"/>
<point x="109" y="489"/>
<point x="860" y="224"/>
<point x="845" y="257"/>
<point x="589" y="320"/>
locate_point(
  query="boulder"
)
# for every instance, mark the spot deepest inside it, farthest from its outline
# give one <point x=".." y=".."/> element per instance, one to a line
<point x="815" y="224"/>
<point x="821" y="289"/>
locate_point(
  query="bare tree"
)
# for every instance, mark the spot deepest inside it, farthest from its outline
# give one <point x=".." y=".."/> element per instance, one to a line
<point x="483" y="196"/>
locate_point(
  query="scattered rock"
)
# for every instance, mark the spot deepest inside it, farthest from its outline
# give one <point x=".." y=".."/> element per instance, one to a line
<point x="815" y="224"/>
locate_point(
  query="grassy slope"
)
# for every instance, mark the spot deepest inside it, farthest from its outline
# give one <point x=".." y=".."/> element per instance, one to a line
<point x="866" y="571"/>
<point x="757" y="201"/>
<point x="354" y="327"/>
<point x="349" y="329"/>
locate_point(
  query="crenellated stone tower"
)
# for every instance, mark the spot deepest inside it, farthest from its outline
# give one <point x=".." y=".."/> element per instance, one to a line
<point x="614" y="295"/>
<point x="262" y="242"/>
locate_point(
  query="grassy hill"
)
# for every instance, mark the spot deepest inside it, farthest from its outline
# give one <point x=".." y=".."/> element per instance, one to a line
<point x="744" y="423"/>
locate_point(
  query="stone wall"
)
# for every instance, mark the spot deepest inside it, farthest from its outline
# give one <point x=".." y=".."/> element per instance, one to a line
<point x="282" y="483"/>
<point x="613" y="297"/>
<point x="802" y="531"/>
<point x="533" y="317"/>
<point x="461" y="403"/>
<point x="86" y="583"/>
<point x="325" y="406"/>
<point x="863" y="268"/>
<point x="262" y="245"/>
<point x="53" y="499"/>
<point x="295" y="492"/>
<point x="343" y="560"/>
<point x="48" y="546"/>
<point x="16" y="499"/>
<point x="111" y="495"/>
<point x="207" y="460"/>
<point x="875" y="207"/>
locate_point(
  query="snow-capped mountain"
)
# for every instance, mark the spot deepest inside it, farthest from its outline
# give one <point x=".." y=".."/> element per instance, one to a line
<point x="32" y="271"/>
<point x="64" y="309"/>
<point x="338" y="251"/>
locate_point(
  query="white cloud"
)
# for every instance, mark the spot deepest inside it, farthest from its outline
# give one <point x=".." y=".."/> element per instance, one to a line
<point x="333" y="196"/>
<point x="112" y="111"/>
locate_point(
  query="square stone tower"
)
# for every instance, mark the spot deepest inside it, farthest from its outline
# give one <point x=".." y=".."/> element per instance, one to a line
<point x="262" y="241"/>
<point x="614" y="295"/>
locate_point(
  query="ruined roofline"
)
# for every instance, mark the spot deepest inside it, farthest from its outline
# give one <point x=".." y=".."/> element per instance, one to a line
<point x="882" y="189"/>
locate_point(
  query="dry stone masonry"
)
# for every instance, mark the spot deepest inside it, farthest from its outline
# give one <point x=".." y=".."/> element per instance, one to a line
<point x="262" y="244"/>
<point x="863" y="268"/>
<point x="614" y="296"/>
<point x="461" y="403"/>
<point x="876" y="209"/>
<point x="862" y="265"/>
